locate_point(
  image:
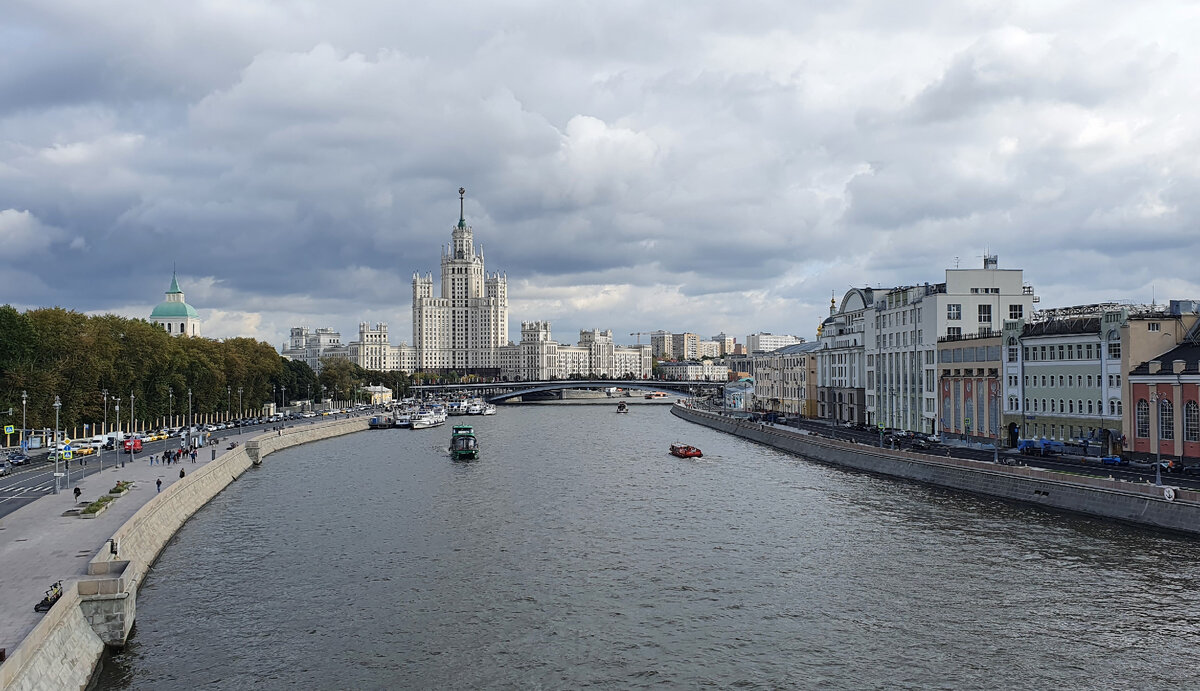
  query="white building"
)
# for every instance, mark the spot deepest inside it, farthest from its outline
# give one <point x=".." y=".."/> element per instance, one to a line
<point x="174" y="315"/>
<point x="691" y="370"/>
<point x="901" y="343"/>
<point x="841" y="361"/>
<point x="764" y="342"/>
<point x="463" y="329"/>
<point x="539" y="357"/>
<point x="708" y="349"/>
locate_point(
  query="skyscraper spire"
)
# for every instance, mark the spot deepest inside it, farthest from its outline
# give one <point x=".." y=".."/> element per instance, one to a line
<point x="462" y="218"/>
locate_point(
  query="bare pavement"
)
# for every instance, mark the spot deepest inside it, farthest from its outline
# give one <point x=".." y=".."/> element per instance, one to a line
<point x="39" y="545"/>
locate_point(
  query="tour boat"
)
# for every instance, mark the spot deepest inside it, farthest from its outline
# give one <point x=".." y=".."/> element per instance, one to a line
<point x="622" y="407"/>
<point x="685" y="451"/>
<point x="489" y="409"/>
<point x="656" y="395"/>
<point x="463" y="444"/>
<point x="424" y="419"/>
<point x="475" y="408"/>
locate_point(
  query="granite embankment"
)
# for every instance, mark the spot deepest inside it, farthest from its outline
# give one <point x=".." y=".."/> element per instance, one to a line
<point x="1169" y="508"/>
<point x="98" y="610"/>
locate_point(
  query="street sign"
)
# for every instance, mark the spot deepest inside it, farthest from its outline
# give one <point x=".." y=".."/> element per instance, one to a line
<point x="967" y="422"/>
<point x="66" y="455"/>
<point x="59" y="474"/>
<point x="9" y="429"/>
<point x="67" y="448"/>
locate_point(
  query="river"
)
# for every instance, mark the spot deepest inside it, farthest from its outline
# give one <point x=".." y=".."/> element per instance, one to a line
<point x="578" y="553"/>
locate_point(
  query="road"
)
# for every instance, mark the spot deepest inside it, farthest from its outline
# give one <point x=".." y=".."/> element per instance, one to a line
<point x="1071" y="464"/>
<point x="27" y="483"/>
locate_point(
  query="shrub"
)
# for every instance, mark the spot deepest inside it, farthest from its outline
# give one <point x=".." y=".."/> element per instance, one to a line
<point x="98" y="504"/>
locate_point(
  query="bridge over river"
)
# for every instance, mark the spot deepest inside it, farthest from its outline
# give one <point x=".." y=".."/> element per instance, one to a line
<point x="498" y="392"/>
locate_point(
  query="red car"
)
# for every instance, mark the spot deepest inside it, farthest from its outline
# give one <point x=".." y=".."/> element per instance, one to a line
<point x="132" y="445"/>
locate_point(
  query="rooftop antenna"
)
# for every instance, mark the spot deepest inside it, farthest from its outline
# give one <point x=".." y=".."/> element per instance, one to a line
<point x="956" y="262"/>
<point x="462" y="217"/>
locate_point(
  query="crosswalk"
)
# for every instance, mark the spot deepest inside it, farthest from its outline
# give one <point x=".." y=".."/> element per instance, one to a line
<point x="22" y="492"/>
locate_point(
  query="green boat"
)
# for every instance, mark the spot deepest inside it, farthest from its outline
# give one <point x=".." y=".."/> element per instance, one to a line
<point x="463" y="444"/>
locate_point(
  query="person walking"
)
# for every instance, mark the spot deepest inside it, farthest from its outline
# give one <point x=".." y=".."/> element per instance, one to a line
<point x="158" y="484"/>
<point x="181" y="473"/>
<point x="77" y="493"/>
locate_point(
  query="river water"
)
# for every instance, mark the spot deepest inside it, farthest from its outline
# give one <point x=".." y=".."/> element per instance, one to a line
<point x="578" y="553"/>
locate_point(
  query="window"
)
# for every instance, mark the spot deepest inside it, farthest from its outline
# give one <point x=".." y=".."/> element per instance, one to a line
<point x="1143" y="419"/>
<point x="1166" y="419"/>
<point x="1060" y="353"/>
<point x="1089" y="351"/>
<point x="954" y="331"/>
<point x="1152" y="326"/>
<point x="1090" y="409"/>
<point x="985" y="314"/>
<point x="1060" y="381"/>
<point x="1026" y="380"/>
<point x="1026" y="352"/>
<point x="1016" y="311"/>
<point x="1053" y="407"/>
<point x="1071" y="406"/>
<point x="1012" y="350"/>
<point x="1089" y="381"/>
<point x="1191" y="422"/>
<point x="954" y="312"/>
<point x="1114" y="345"/>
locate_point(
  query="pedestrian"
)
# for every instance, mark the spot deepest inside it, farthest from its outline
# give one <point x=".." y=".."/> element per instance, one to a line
<point x="158" y="483"/>
<point x="193" y="458"/>
<point x="77" y="493"/>
<point x="181" y="473"/>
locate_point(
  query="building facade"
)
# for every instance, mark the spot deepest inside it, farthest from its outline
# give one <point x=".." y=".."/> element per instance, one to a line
<point x="539" y="357"/>
<point x="785" y="380"/>
<point x="685" y="346"/>
<point x="841" y="359"/>
<point x="972" y="397"/>
<point x="764" y="342"/>
<point x="693" y="370"/>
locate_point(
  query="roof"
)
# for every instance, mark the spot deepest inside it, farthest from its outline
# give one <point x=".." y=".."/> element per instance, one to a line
<point x="1062" y="327"/>
<point x="173" y="310"/>
<point x="1188" y="352"/>
<point x="797" y="348"/>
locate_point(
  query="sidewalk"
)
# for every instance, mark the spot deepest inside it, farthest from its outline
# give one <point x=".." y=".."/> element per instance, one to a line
<point x="38" y="545"/>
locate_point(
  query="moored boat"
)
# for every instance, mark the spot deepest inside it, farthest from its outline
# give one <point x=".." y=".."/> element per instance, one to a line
<point x="489" y="409"/>
<point x="381" y="422"/>
<point x="685" y="451"/>
<point x="463" y="444"/>
<point x="622" y="407"/>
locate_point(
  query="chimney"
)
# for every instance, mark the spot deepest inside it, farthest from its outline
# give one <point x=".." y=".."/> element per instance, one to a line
<point x="1178" y="366"/>
<point x="1155" y="366"/>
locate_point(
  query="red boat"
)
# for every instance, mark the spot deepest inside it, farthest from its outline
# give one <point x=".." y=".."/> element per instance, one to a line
<point x="685" y="451"/>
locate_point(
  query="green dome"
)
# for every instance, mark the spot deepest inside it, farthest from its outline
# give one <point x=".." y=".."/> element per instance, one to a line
<point x="173" y="310"/>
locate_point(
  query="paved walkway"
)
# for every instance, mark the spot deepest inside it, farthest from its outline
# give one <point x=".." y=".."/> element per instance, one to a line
<point x="38" y="545"/>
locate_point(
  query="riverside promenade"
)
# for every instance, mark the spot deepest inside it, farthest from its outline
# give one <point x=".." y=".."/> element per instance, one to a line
<point x="40" y="545"/>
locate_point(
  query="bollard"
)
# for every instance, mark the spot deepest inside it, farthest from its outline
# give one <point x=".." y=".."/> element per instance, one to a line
<point x="214" y="454"/>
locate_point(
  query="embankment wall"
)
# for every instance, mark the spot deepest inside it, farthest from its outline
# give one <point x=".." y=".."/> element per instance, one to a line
<point x="1134" y="502"/>
<point x="63" y="650"/>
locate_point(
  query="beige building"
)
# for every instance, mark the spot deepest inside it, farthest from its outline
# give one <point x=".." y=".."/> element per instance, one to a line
<point x="539" y="357"/>
<point x="785" y="380"/>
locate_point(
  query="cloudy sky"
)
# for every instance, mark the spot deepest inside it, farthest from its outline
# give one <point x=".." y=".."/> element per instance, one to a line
<point x="701" y="166"/>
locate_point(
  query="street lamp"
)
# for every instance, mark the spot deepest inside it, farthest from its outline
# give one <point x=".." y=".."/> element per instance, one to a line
<point x="131" y="429"/>
<point x="228" y="402"/>
<point x="1157" y="401"/>
<point x="241" y="411"/>
<point x="24" y="399"/>
<point x="283" y="395"/>
<point x="57" y="453"/>
<point x="104" y="395"/>
<point x="879" y="307"/>
<point x="191" y="420"/>
<point x="171" y="406"/>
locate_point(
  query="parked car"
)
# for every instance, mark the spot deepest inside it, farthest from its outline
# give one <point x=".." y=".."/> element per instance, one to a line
<point x="1113" y="460"/>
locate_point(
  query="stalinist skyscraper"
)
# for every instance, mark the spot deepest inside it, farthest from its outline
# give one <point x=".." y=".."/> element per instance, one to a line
<point x="464" y="328"/>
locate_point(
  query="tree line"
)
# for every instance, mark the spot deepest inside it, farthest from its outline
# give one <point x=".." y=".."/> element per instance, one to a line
<point x="53" y="352"/>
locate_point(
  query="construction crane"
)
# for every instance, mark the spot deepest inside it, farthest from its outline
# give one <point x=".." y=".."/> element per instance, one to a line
<point x="639" y="335"/>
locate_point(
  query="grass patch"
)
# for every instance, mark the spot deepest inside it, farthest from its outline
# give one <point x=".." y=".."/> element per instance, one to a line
<point x="99" y="504"/>
<point x="121" y="486"/>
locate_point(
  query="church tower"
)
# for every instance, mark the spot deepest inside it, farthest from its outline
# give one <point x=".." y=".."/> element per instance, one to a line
<point x="174" y="315"/>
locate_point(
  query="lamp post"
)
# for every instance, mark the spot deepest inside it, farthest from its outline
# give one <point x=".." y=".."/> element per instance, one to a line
<point x="131" y="429"/>
<point x="879" y="307"/>
<point x="104" y="395"/>
<point x="117" y="415"/>
<point x="228" y="402"/>
<point x="24" y="400"/>
<point x="283" y="395"/>
<point x="191" y="420"/>
<point x="171" y="406"/>
<point x="57" y="453"/>
<point x="241" y="411"/>
<point x="1155" y="399"/>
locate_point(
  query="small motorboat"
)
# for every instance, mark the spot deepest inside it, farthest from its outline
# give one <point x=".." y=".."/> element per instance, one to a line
<point x="622" y="407"/>
<point x="685" y="451"/>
